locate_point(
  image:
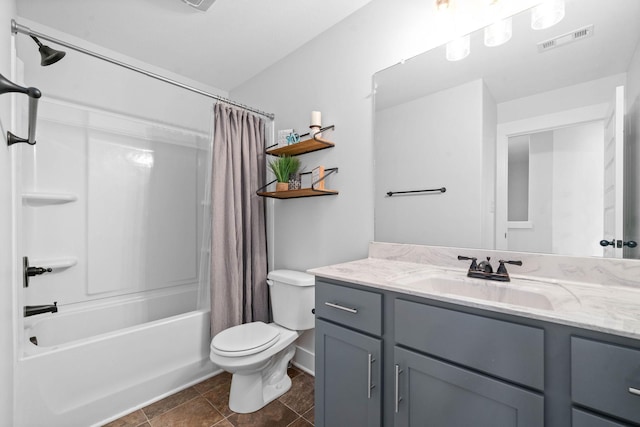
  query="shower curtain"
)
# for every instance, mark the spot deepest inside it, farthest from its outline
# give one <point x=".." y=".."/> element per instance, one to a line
<point x="238" y="246"/>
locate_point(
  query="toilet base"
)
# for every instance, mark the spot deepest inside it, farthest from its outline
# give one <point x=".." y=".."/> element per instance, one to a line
<point x="252" y="391"/>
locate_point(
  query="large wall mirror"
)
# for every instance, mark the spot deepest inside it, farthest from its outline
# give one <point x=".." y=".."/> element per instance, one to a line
<point x="535" y="140"/>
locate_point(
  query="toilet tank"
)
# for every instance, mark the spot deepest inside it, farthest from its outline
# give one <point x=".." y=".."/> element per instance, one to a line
<point x="292" y="299"/>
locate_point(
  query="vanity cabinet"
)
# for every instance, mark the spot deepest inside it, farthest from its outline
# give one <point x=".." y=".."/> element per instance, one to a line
<point x="431" y="392"/>
<point x="349" y="353"/>
<point x="474" y="354"/>
<point x="385" y="358"/>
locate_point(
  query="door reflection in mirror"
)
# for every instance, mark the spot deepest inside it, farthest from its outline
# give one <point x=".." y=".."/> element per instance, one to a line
<point x="556" y="197"/>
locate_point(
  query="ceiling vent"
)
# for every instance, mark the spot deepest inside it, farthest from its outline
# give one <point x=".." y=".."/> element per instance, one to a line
<point x="203" y="5"/>
<point x="579" y="34"/>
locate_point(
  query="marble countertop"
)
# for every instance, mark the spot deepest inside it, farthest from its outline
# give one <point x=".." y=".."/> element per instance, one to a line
<point x="606" y="308"/>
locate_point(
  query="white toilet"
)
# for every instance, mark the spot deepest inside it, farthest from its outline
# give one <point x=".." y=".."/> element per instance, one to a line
<point x="258" y="354"/>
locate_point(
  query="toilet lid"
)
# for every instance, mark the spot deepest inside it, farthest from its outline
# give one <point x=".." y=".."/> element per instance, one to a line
<point x="246" y="339"/>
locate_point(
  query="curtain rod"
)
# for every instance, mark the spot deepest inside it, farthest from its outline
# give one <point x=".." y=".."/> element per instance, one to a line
<point x="17" y="28"/>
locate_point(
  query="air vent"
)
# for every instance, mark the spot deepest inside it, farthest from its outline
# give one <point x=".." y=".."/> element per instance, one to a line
<point x="199" y="4"/>
<point x="579" y="34"/>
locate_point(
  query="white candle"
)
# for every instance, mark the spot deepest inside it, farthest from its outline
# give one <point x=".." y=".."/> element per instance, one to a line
<point x="316" y="118"/>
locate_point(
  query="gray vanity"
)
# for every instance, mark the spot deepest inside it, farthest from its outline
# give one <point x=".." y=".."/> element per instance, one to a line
<point x="395" y="349"/>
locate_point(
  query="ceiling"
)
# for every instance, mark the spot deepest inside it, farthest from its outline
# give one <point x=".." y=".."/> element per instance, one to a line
<point x="223" y="47"/>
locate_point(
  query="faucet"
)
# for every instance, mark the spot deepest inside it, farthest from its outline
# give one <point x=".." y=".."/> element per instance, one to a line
<point x="503" y="270"/>
<point x="31" y="310"/>
<point x="484" y="269"/>
<point x="485" y="266"/>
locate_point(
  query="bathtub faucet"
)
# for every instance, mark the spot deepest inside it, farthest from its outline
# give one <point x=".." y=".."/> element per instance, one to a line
<point x="31" y="310"/>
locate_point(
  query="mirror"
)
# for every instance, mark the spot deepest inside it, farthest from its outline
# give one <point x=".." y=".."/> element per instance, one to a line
<point x="449" y="124"/>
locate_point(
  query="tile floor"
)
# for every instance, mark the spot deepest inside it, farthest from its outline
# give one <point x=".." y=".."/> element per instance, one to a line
<point x="206" y="404"/>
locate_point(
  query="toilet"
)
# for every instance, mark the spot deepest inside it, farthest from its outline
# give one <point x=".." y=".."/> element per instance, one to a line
<point x="258" y="354"/>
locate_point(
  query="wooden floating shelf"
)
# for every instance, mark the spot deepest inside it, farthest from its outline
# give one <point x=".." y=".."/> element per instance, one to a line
<point x="293" y="194"/>
<point x="302" y="147"/>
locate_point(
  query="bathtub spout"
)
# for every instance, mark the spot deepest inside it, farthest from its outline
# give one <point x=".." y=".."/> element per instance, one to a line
<point x="31" y="310"/>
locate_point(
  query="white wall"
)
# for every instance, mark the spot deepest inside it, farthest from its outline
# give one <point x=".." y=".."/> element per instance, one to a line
<point x="332" y="73"/>
<point x="565" y="192"/>
<point x="7" y="268"/>
<point x="431" y="142"/>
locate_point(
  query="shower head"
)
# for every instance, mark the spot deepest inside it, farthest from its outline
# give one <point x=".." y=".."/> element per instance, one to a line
<point x="49" y="55"/>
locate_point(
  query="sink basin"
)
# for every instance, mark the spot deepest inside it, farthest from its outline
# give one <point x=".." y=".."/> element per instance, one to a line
<point x="517" y="292"/>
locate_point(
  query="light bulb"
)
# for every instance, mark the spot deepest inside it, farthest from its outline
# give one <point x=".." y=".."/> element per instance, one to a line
<point x="547" y="14"/>
<point x="498" y="33"/>
<point x="459" y="48"/>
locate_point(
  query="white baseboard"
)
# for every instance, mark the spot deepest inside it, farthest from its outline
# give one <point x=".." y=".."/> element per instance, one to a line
<point x="304" y="360"/>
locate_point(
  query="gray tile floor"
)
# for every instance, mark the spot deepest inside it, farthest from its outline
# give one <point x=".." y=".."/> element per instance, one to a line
<point x="207" y="404"/>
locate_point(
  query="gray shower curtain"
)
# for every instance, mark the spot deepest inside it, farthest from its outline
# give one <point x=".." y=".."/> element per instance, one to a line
<point x="238" y="242"/>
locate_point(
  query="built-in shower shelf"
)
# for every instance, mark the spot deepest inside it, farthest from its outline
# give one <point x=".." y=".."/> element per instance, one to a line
<point x="44" y="199"/>
<point x="54" y="263"/>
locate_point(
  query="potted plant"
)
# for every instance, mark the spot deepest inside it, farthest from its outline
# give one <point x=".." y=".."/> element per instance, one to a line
<point x="282" y="168"/>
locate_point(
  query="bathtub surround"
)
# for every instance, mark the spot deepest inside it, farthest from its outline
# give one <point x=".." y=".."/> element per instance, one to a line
<point x="7" y="247"/>
<point x="239" y="248"/>
<point x="131" y="173"/>
<point x="85" y="381"/>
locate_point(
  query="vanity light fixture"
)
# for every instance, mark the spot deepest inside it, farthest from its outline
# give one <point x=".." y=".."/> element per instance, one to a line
<point x="459" y="48"/>
<point x="498" y="33"/>
<point x="547" y="14"/>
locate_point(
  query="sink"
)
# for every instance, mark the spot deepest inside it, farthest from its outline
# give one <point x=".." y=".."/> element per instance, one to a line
<point x="518" y="292"/>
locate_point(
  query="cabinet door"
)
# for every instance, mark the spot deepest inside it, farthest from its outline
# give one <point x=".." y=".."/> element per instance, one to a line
<point x="348" y="377"/>
<point x="430" y="392"/>
<point x="606" y="377"/>
<point x="583" y="419"/>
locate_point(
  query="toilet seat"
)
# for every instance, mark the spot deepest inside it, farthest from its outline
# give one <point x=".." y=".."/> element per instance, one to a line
<point x="244" y="340"/>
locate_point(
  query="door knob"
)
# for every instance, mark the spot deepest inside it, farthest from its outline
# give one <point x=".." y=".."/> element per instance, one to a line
<point x="29" y="271"/>
<point x="619" y="243"/>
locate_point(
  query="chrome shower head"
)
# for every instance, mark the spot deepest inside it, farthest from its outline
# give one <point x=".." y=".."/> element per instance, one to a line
<point x="49" y="55"/>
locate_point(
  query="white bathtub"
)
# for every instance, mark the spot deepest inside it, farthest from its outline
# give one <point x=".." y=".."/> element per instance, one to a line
<point x="98" y="362"/>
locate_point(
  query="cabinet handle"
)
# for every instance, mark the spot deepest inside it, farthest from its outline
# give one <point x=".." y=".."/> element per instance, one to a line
<point x="370" y="386"/>
<point x="341" y="307"/>
<point x="634" y="391"/>
<point x="398" y="398"/>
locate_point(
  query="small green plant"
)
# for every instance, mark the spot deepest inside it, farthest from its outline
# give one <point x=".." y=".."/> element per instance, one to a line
<point x="284" y="166"/>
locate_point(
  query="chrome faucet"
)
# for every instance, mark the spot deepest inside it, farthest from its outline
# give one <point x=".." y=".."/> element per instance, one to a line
<point x="31" y="310"/>
<point x="484" y="269"/>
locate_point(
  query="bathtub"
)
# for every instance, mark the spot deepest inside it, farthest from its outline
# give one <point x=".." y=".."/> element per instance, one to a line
<point x="95" y="363"/>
